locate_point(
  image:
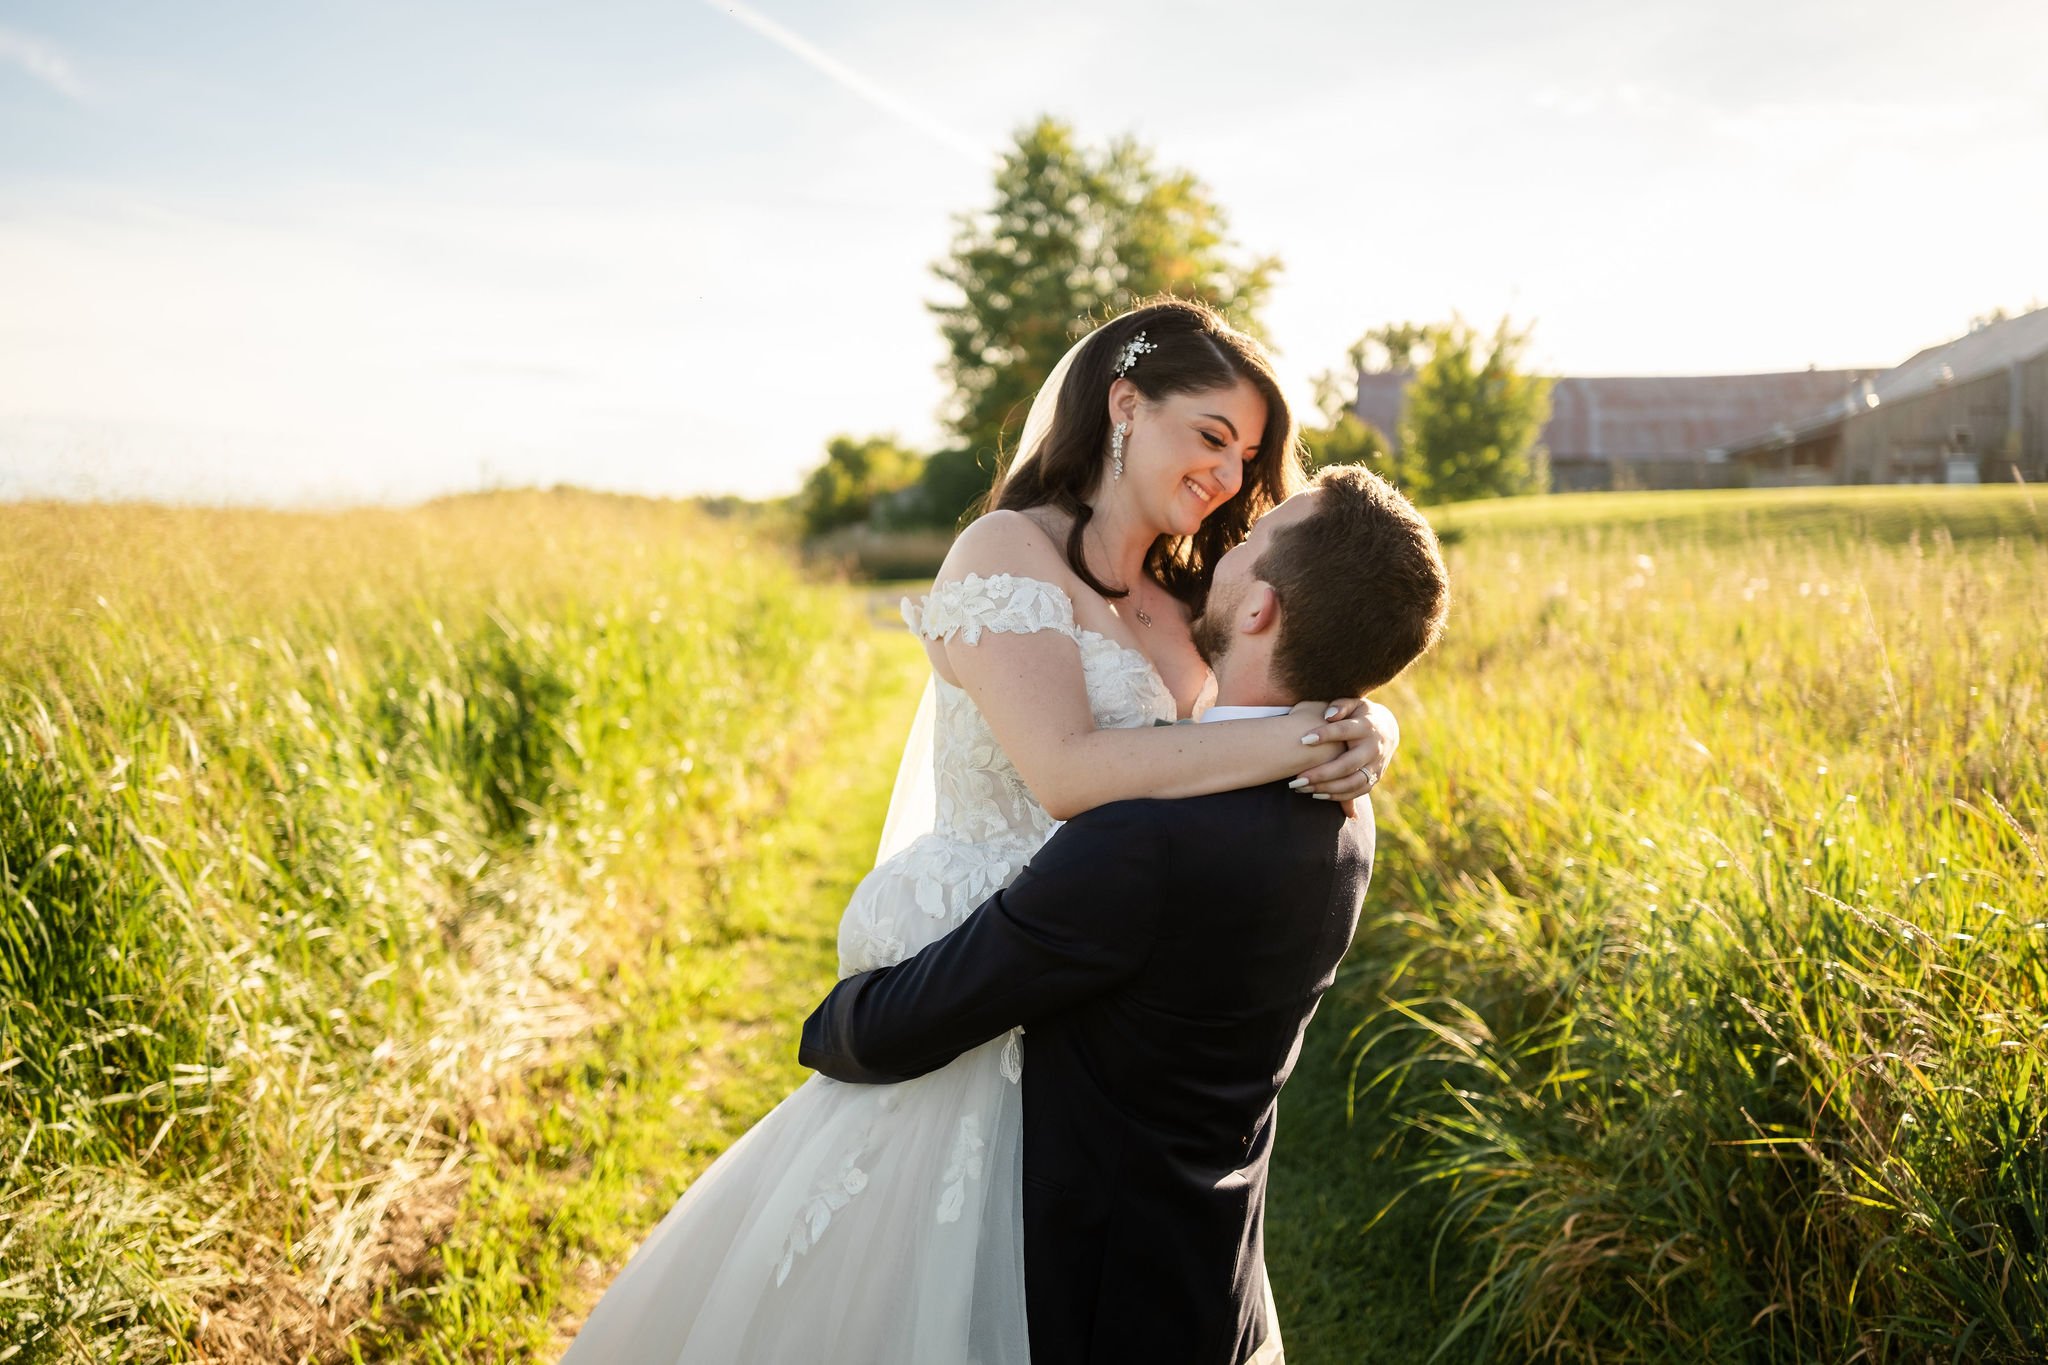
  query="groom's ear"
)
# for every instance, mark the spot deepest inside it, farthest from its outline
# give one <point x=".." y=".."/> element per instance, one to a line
<point x="1260" y="610"/>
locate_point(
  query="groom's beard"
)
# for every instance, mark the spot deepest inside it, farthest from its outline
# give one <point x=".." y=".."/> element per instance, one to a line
<point x="1211" y="630"/>
<point x="1211" y="641"/>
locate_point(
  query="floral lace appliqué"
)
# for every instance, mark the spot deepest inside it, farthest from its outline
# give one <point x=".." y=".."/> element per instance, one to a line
<point x="833" y="1192"/>
<point x="979" y="797"/>
<point x="963" y="1166"/>
<point x="986" y="823"/>
<point x="1000" y="602"/>
<point x="866" y="941"/>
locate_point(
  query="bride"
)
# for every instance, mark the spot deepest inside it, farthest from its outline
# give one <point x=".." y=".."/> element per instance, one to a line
<point x="881" y="1225"/>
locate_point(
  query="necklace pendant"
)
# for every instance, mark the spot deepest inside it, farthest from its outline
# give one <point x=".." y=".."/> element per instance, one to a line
<point x="1139" y="612"/>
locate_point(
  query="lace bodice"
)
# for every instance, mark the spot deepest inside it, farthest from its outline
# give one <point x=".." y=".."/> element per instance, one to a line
<point x="986" y="827"/>
<point x="981" y="798"/>
<point x="987" y="824"/>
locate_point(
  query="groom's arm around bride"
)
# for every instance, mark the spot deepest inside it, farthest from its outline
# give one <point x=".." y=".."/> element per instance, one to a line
<point x="1166" y="957"/>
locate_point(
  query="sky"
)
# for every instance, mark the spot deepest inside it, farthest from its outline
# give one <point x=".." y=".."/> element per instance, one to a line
<point x="325" y="253"/>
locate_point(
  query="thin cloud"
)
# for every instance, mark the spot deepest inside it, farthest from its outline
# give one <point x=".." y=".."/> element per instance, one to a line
<point x="852" y="80"/>
<point x="42" y="61"/>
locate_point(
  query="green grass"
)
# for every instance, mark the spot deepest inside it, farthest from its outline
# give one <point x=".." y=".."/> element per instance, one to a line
<point x="1738" y="516"/>
<point x="1707" y="971"/>
<point x="576" y="1163"/>
<point x="1353" y="1278"/>
<point x="400" y="908"/>
<point x="316" y="834"/>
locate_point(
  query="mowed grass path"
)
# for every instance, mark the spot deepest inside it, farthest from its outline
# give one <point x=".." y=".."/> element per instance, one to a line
<point x="585" y="1156"/>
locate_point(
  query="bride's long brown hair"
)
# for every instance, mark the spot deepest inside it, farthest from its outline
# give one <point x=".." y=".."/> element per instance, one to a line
<point x="1194" y="351"/>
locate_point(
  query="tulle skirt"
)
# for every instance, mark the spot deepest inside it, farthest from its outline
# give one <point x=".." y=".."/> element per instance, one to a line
<point x="859" y="1225"/>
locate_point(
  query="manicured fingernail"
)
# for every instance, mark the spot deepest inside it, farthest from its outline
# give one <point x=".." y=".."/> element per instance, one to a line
<point x="1329" y="713"/>
<point x="1311" y="739"/>
<point x="1321" y="796"/>
<point x="1298" y="783"/>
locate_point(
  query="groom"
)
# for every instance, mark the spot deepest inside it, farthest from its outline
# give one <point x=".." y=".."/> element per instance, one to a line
<point x="1167" y="956"/>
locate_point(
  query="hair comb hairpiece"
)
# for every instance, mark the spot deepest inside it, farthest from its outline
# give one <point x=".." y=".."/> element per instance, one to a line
<point x="1128" y="356"/>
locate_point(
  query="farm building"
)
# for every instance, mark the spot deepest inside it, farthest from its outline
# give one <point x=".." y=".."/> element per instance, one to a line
<point x="1968" y="411"/>
<point x="1639" y="431"/>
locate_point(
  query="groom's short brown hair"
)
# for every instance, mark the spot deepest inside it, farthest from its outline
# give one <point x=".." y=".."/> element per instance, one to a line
<point x="1362" y="587"/>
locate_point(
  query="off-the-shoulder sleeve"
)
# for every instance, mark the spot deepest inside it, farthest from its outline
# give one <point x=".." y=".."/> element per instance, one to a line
<point x="1002" y="602"/>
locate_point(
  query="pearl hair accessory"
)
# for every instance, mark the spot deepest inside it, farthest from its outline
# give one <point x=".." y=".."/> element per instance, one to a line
<point x="1128" y="356"/>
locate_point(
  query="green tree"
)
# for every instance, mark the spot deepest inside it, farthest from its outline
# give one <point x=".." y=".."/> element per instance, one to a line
<point x="952" y="482"/>
<point x="1351" y="440"/>
<point x="1473" y="417"/>
<point x="1076" y="234"/>
<point x="855" y="482"/>
<point x="1395" y="346"/>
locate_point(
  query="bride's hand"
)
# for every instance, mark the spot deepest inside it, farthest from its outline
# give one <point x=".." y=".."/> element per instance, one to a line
<point x="1369" y="733"/>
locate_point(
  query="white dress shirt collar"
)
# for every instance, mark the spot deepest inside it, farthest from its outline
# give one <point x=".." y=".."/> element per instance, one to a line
<point x="1241" y="713"/>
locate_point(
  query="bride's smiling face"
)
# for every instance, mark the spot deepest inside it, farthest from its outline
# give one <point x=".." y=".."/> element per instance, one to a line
<point x="1187" y="453"/>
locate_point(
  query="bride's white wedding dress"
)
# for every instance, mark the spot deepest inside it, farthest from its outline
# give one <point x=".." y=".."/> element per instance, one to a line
<point x="882" y="1225"/>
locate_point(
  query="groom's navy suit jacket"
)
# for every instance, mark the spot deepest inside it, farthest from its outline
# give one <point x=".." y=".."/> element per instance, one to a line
<point x="1165" y="958"/>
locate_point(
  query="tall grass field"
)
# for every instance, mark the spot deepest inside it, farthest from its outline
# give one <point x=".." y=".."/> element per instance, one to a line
<point x="1705" y="967"/>
<point x="398" y="908"/>
<point x="314" y="830"/>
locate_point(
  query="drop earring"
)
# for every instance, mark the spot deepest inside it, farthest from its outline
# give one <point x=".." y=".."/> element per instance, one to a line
<point x="1116" y="450"/>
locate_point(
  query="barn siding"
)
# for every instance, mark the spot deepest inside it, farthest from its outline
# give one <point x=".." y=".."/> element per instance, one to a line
<point x="1719" y="431"/>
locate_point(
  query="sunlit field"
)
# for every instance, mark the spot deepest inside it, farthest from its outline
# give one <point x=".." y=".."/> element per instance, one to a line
<point x="397" y="909"/>
<point x="1709" y="941"/>
<point x="315" y="831"/>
